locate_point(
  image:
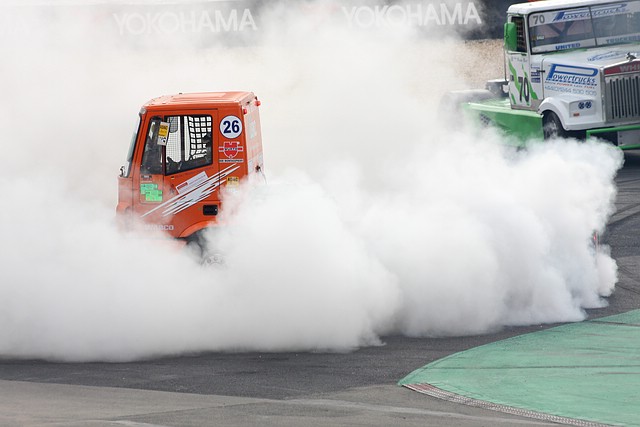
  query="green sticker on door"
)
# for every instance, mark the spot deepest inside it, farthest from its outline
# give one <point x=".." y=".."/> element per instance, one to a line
<point x="151" y="192"/>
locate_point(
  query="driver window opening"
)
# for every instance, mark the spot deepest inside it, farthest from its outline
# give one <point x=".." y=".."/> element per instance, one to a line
<point x="152" y="156"/>
<point x="521" y="40"/>
<point x="189" y="144"/>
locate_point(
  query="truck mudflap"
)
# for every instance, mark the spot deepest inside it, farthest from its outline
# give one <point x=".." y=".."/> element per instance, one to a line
<point x="625" y="137"/>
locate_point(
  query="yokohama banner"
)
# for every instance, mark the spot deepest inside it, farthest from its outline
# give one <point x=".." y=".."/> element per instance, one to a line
<point x="247" y="21"/>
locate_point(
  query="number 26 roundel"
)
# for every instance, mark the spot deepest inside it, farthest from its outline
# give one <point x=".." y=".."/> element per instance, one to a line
<point x="231" y="127"/>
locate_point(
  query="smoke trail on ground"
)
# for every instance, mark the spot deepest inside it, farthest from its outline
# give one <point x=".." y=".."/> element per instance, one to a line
<point x="376" y="219"/>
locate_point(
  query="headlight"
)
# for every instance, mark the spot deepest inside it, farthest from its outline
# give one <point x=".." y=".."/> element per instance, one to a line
<point x="580" y="108"/>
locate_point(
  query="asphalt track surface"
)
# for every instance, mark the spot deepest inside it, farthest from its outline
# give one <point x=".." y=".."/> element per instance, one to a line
<point x="288" y="389"/>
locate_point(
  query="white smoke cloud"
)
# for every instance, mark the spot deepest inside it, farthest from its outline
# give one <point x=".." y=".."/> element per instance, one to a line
<point x="376" y="217"/>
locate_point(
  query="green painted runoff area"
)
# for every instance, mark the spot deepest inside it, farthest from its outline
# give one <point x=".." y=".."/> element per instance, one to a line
<point x="587" y="371"/>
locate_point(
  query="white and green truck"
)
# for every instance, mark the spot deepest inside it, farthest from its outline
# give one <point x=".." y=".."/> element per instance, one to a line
<point x="572" y="69"/>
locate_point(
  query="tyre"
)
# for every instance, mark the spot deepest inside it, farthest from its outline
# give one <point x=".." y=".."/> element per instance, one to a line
<point x="552" y="126"/>
<point x="204" y="250"/>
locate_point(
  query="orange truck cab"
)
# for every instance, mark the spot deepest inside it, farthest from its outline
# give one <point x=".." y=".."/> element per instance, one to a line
<point x="186" y="148"/>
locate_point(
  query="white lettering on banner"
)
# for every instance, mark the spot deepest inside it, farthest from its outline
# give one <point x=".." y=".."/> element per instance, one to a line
<point x="186" y="22"/>
<point x="412" y="14"/>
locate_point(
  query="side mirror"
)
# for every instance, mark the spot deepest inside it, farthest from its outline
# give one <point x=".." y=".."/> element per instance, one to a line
<point x="510" y="37"/>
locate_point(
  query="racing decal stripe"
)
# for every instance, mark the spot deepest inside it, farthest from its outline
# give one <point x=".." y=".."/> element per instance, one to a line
<point x="199" y="192"/>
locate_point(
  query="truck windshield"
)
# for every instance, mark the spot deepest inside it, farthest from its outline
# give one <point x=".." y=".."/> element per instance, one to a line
<point x="585" y="27"/>
<point x="132" y="145"/>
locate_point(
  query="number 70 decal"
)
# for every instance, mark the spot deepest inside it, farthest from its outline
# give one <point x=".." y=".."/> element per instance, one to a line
<point x="523" y="82"/>
<point x="523" y="86"/>
<point x="231" y="127"/>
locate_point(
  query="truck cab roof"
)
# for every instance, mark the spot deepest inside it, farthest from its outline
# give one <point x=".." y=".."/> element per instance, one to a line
<point x="198" y="100"/>
<point x="541" y="6"/>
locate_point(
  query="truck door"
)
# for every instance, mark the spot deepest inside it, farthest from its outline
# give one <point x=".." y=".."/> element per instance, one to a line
<point x="191" y="175"/>
<point x="519" y="72"/>
<point x="178" y="171"/>
<point x="152" y="165"/>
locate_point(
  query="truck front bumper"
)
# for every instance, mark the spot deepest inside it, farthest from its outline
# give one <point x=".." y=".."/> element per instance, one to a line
<point x="625" y="137"/>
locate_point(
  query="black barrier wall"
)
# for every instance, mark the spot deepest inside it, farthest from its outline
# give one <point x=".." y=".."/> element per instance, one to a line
<point x="247" y="21"/>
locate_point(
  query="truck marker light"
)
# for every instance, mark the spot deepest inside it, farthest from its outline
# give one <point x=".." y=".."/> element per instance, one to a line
<point x="258" y="103"/>
<point x="244" y="111"/>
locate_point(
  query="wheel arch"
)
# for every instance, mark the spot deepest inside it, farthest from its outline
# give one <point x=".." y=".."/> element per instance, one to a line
<point x="552" y="105"/>
<point x="194" y="228"/>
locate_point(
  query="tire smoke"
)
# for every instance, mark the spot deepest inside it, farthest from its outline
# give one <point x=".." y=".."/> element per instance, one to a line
<point x="377" y="217"/>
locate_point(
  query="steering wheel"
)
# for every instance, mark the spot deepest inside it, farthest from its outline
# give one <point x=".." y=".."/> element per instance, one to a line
<point x="172" y="165"/>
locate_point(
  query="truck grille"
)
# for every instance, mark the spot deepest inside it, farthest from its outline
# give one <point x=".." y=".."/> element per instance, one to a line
<point x="623" y="97"/>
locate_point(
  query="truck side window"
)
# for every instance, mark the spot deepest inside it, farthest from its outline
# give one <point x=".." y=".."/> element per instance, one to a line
<point x="521" y="40"/>
<point x="152" y="156"/>
<point x="190" y="143"/>
<point x="126" y="168"/>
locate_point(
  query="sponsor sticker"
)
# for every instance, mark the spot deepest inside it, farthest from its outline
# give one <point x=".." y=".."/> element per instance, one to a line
<point x="230" y="150"/>
<point x="191" y="183"/>
<point x="151" y="192"/>
<point x="535" y="74"/>
<point x="607" y="55"/>
<point x="609" y="10"/>
<point x="159" y="227"/>
<point x="572" y="15"/>
<point x="163" y="133"/>
<point x="572" y="75"/>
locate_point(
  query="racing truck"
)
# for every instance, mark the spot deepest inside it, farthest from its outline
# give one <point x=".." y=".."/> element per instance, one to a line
<point x="185" y="149"/>
<point x="572" y="69"/>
